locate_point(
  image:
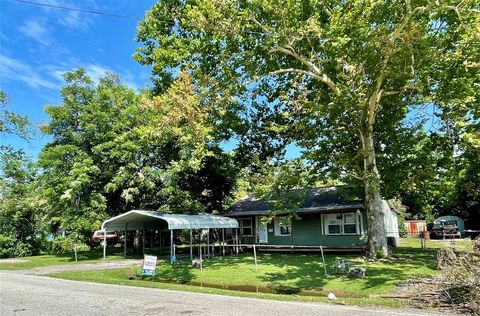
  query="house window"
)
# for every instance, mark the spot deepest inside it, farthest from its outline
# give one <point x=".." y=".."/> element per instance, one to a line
<point x="341" y="224"/>
<point x="333" y="224"/>
<point x="282" y="227"/>
<point x="349" y="223"/>
<point x="246" y="225"/>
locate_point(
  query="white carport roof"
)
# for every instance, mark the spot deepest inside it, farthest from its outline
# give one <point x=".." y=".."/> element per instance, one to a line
<point x="137" y="219"/>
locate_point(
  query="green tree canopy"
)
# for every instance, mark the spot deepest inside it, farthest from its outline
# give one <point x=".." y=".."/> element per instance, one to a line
<point x="114" y="150"/>
<point x="337" y="76"/>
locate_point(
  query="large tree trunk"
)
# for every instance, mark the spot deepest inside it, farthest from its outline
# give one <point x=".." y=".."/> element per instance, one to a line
<point x="377" y="237"/>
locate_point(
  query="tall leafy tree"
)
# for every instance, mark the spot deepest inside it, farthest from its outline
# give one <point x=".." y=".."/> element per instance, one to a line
<point x="21" y="228"/>
<point x="12" y="123"/>
<point x="335" y="74"/>
<point x="20" y="221"/>
<point x="114" y="150"/>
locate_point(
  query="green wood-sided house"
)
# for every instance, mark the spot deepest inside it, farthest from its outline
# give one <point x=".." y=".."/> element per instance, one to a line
<point x="329" y="217"/>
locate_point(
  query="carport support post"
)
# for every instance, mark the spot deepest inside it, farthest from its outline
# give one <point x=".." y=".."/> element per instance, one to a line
<point x="191" y="246"/>
<point x="208" y="242"/>
<point x="223" y="241"/>
<point x="171" y="243"/>
<point x="125" y="241"/>
<point x="236" y="240"/>
<point x="105" y="243"/>
<point x="143" y="239"/>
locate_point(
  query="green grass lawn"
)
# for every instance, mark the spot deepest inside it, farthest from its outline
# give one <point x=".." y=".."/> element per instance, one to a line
<point x="414" y="243"/>
<point x="299" y="275"/>
<point x="284" y="273"/>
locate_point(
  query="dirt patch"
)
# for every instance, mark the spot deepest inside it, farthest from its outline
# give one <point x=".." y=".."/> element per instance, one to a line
<point x="13" y="260"/>
<point x="88" y="266"/>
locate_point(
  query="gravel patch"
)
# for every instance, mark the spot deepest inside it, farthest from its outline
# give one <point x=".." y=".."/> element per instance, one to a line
<point x="13" y="260"/>
<point x="107" y="265"/>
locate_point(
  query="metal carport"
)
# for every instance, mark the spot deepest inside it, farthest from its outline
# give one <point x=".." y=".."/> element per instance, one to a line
<point x="139" y="219"/>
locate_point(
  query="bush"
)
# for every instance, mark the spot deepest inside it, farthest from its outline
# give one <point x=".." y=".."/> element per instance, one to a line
<point x="7" y="246"/>
<point x="66" y="245"/>
<point x="23" y="250"/>
<point x="10" y="247"/>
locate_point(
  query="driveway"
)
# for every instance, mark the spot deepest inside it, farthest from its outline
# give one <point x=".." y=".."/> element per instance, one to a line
<point x="104" y="265"/>
<point x="38" y="295"/>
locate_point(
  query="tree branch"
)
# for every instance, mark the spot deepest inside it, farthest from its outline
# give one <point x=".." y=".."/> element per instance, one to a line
<point x="300" y="71"/>
<point x="263" y="27"/>
<point x="408" y="87"/>
<point x="316" y="70"/>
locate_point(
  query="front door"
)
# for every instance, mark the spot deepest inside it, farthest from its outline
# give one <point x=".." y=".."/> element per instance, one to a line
<point x="262" y="232"/>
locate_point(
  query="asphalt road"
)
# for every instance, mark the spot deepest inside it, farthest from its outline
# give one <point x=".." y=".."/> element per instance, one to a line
<point x="38" y="295"/>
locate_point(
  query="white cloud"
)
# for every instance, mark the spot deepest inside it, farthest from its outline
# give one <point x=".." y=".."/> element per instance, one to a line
<point x="36" y="30"/>
<point x="96" y="71"/>
<point x="15" y="70"/>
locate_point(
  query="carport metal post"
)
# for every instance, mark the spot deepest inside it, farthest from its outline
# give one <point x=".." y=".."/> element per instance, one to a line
<point x="191" y="246"/>
<point x="125" y="241"/>
<point x="208" y="242"/>
<point x="223" y="241"/>
<point x="171" y="243"/>
<point x="105" y="243"/>
<point x="143" y="239"/>
<point x="236" y="240"/>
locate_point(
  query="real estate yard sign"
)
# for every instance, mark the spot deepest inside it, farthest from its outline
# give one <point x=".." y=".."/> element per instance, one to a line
<point x="149" y="265"/>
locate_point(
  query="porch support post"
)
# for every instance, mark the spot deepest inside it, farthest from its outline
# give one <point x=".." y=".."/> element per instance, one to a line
<point x="191" y="246"/>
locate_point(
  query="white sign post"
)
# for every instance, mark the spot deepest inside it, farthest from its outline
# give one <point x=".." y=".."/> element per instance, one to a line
<point x="149" y="265"/>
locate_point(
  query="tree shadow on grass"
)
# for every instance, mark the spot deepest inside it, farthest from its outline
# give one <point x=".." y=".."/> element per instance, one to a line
<point x="407" y="263"/>
<point x="292" y="273"/>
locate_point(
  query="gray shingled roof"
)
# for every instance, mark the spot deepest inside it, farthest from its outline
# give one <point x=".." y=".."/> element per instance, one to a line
<point x="315" y="200"/>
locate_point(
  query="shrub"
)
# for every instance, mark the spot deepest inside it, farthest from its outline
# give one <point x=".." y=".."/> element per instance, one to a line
<point x="7" y="246"/>
<point x="22" y="249"/>
<point x="66" y="245"/>
<point x="10" y="247"/>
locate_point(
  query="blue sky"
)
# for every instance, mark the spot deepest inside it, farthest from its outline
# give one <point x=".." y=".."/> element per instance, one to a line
<point x="38" y="44"/>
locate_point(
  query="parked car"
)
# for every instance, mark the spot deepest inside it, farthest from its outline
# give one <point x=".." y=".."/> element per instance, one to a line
<point x="98" y="236"/>
<point x="444" y="228"/>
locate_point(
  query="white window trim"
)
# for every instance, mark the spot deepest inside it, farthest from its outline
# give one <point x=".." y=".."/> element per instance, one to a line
<point x="358" y="222"/>
<point x="277" y="230"/>
<point x="325" y="222"/>
<point x="251" y="226"/>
